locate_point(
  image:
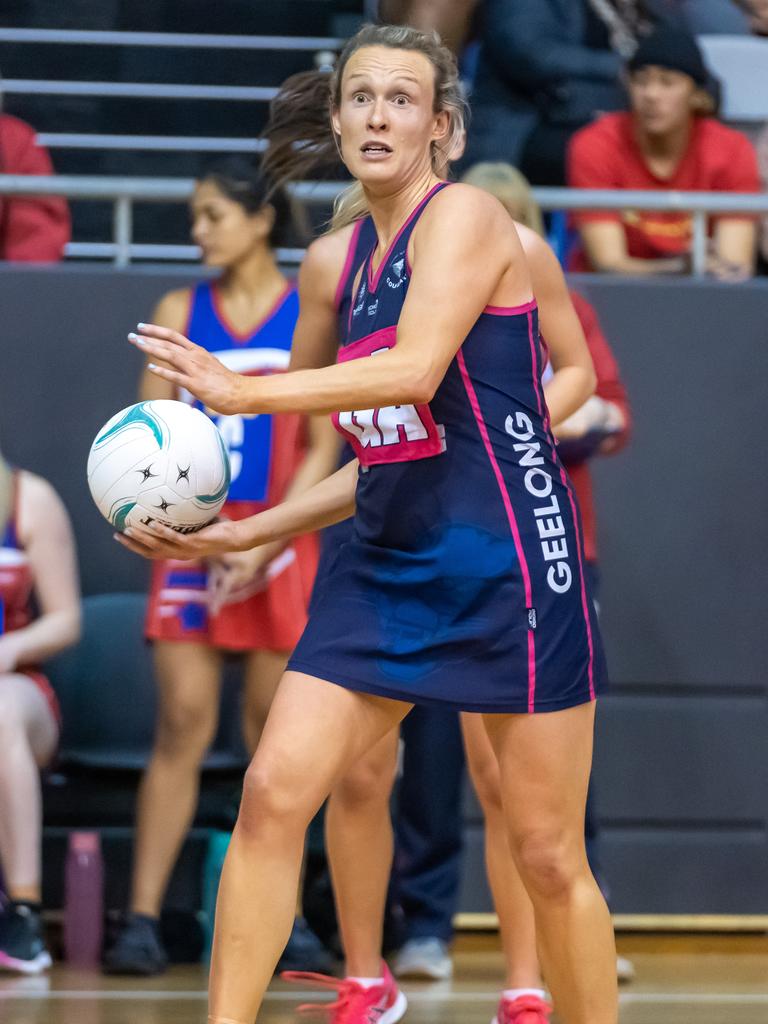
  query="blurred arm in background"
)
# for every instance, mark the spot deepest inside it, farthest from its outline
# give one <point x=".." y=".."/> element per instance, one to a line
<point x="451" y="18"/>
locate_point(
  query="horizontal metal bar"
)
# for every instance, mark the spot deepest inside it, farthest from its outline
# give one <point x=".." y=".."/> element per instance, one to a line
<point x="156" y="251"/>
<point x="140" y="189"/>
<point x="625" y="199"/>
<point x="173" y="39"/>
<point x="179" y="189"/>
<point x="139" y="90"/>
<point x="160" y="143"/>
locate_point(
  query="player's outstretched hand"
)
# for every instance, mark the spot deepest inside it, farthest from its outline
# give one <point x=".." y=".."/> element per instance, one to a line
<point x="190" y="366"/>
<point x="159" y="541"/>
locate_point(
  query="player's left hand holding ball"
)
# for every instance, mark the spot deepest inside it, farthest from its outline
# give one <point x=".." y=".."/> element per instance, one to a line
<point x="159" y="541"/>
<point x="189" y="366"/>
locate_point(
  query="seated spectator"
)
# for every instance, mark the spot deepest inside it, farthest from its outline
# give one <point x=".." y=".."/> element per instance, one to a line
<point x="37" y="556"/>
<point x="666" y="142"/>
<point x="33" y="229"/>
<point x="546" y="68"/>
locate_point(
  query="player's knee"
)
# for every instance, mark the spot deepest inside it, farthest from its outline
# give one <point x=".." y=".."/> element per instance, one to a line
<point x="270" y="806"/>
<point x="365" y="784"/>
<point x="548" y="862"/>
<point x="185" y="730"/>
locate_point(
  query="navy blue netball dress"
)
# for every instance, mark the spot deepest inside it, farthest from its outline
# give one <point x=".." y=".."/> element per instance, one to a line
<point x="463" y="582"/>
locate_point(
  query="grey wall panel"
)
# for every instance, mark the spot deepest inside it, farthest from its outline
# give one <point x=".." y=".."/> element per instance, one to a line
<point x="683" y="528"/>
<point x="700" y="872"/>
<point x="675" y="760"/>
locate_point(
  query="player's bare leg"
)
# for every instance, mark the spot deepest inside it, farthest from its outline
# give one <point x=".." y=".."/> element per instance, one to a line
<point x="314" y="733"/>
<point x="513" y="905"/>
<point x="189" y="685"/>
<point x="545" y="761"/>
<point x="360" y="845"/>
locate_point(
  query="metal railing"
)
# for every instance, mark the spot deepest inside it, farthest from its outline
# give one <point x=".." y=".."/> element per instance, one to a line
<point x="151" y="143"/>
<point x="184" y="40"/>
<point x="124" y="192"/>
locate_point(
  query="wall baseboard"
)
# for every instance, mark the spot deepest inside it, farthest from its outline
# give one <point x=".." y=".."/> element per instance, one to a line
<point x="646" y="922"/>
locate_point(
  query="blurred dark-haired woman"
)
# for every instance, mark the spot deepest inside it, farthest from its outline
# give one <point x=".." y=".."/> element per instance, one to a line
<point x="253" y="604"/>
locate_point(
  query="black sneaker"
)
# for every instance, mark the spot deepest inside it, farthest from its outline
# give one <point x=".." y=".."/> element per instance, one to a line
<point x="305" y="952"/>
<point x="138" y="949"/>
<point x="22" y="947"/>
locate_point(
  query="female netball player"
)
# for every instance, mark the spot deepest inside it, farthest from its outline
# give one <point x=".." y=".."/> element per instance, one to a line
<point x="37" y="558"/>
<point x="523" y="999"/>
<point x="255" y="606"/>
<point x="463" y="584"/>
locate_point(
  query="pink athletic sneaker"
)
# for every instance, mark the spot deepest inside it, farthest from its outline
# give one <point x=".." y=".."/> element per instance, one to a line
<point x="523" y="1010"/>
<point x="378" y="1004"/>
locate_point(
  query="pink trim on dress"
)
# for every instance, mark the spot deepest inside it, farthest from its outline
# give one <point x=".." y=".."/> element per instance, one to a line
<point x="401" y="450"/>
<point x="373" y="281"/>
<point x="239" y="336"/>
<point x="526" y="307"/>
<point x="472" y="396"/>
<point x="564" y="477"/>
<point x="347" y="265"/>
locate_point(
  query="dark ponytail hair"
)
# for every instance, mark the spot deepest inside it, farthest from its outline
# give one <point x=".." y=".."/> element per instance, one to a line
<point x="247" y="183"/>
<point x="299" y="134"/>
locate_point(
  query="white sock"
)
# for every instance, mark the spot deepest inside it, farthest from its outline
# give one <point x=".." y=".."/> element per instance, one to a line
<point x="366" y="982"/>
<point x="515" y="993"/>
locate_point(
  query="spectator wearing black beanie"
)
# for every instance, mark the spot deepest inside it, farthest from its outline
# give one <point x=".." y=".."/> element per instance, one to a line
<point x="667" y="142"/>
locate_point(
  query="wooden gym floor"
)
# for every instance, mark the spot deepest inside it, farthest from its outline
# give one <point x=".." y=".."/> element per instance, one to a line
<point x="680" y="980"/>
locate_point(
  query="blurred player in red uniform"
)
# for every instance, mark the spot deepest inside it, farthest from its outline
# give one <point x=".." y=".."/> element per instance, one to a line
<point x="255" y="607"/>
<point x="37" y="559"/>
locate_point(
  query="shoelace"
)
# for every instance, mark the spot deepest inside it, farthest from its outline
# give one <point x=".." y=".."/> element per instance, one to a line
<point x="526" y="1010"/>
<point x="346" y="989"/>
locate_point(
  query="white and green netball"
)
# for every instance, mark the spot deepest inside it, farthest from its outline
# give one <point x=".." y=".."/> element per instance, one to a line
<point x="159" y="460"/>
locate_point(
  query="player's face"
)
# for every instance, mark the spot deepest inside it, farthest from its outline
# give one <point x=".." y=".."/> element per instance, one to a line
<point x="385" y="118"/>
<point x="224" y="230"/>
<point x="662" y="100"/>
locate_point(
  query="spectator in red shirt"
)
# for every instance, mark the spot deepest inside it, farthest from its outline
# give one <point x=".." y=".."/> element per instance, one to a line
<point x="665" y="142"/>
<point x="33" y="229"/>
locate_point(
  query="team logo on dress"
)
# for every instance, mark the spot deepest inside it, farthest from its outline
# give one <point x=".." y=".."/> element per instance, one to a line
<point x="531" y="618"/>
<point x="373" y="307"/>
<point x="396" y="277"/>
<point x="360" y="300"/>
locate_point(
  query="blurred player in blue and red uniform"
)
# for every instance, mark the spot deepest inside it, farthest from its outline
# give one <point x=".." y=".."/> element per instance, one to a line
<point x="200" y="610"/>
<point x="37" y="561"/>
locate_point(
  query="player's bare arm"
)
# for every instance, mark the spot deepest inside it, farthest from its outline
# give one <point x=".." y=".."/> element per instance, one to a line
<point x="469" y="251"/>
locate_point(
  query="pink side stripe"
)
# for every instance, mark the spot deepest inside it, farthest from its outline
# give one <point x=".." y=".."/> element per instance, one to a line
<point x="472" y="396"/>
<point x="511" y="310"/>
<point x="584" y="606"/>
<point x="347" y="265"/>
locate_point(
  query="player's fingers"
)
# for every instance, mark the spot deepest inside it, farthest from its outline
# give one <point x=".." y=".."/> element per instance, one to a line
<point x="132" y="545"/>
<point x="159" y="350"/>
<point x="173" y="375"/>
<point x="166" y="334"/>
